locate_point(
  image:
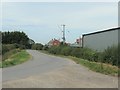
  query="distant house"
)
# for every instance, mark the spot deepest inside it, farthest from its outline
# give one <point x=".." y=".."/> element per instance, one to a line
<point x="102" y="39"/>
<point x="78" y="43"/>
<point x="53" y="42"/>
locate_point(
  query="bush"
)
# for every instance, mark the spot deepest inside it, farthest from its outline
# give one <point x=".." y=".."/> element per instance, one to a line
<point x="84" y="53"/>
<point x="45" y="47"/>
<point x="54" y="50"/>
<point x="88" y="54"/>
<point x="109" y="55"/>
<point x="37" y="46"/>
<point x="76" y="52"/>
<point x="66" y="51"/>
<point x="7" y="47"/>
<point x="97" y="57"/>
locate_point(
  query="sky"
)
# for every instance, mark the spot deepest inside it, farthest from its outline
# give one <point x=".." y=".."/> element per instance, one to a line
<point x="42" y="21"/>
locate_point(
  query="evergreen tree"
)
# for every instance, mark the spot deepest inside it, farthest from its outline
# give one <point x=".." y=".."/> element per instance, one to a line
<point x="15" y="37"/>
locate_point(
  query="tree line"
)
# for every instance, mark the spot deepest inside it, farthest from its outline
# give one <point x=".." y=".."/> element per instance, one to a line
<point x="14" y="41"/>
<point x="15" y="37"/>
<point x="18" y="39"/>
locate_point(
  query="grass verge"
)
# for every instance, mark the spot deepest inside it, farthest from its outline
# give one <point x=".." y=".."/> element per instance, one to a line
<point x="97" y="67"/>
<point x="15" y="59"/>
<point x="103" y="68"/>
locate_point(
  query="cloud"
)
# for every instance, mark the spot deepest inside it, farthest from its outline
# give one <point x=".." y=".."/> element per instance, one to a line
<point x="32" y="14"/>
<point x="45" y="17"/>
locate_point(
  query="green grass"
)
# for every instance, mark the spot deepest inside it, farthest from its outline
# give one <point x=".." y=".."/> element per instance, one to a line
<point x="15" y="59"/>
<point x="94" y="66"/>
<point x="97" y="67"/>
<point x="9" y="54"/>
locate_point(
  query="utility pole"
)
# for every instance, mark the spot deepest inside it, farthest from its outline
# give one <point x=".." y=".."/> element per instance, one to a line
<point x="63" y="34"/>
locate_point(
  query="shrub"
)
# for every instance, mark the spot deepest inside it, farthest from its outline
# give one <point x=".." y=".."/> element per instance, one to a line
<point x="109" y="55"/>
<point x="54" y="50"/>
<point x="76" y="52"/>
<point x="97" y="57"/>
<point x="37" y="46"/>
<point x="66" y="50"/>
<point x="7" y="47"/>
<point x="45" y="47"/>
<point x="86" y="53"/>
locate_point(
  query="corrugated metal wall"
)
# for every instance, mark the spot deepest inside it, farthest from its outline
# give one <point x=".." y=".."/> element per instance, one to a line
<point x="100" y="41"/>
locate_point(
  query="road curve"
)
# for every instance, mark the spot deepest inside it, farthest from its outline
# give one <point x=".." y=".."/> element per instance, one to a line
<point x="54" y="72"/>
<point x="39" y="63"/>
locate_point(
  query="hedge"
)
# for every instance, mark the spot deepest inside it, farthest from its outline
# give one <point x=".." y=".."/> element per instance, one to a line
<point x="109" y="55"/>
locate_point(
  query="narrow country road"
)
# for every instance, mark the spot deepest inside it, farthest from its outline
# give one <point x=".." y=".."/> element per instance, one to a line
<point x="46" y="71"/>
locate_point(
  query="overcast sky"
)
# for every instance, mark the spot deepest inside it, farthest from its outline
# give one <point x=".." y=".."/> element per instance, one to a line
<point x="41" y="21"/>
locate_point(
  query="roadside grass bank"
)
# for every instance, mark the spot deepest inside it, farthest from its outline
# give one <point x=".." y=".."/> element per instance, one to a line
<point x="16" y="58"/>
<point x="103" y="68"/>
<point x="8" y="54"/>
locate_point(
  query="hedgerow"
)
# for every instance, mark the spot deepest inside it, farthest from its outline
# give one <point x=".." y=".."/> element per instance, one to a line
<point x="109" y="55"/>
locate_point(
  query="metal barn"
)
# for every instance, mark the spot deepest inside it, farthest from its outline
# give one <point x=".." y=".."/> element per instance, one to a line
<point x="102" y="39"/>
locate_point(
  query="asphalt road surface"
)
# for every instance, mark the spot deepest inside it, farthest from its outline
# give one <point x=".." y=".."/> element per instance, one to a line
<point x="47" y="71"/>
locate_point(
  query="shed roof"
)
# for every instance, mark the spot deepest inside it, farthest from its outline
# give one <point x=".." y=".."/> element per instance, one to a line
<point x="102" y="31"/>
